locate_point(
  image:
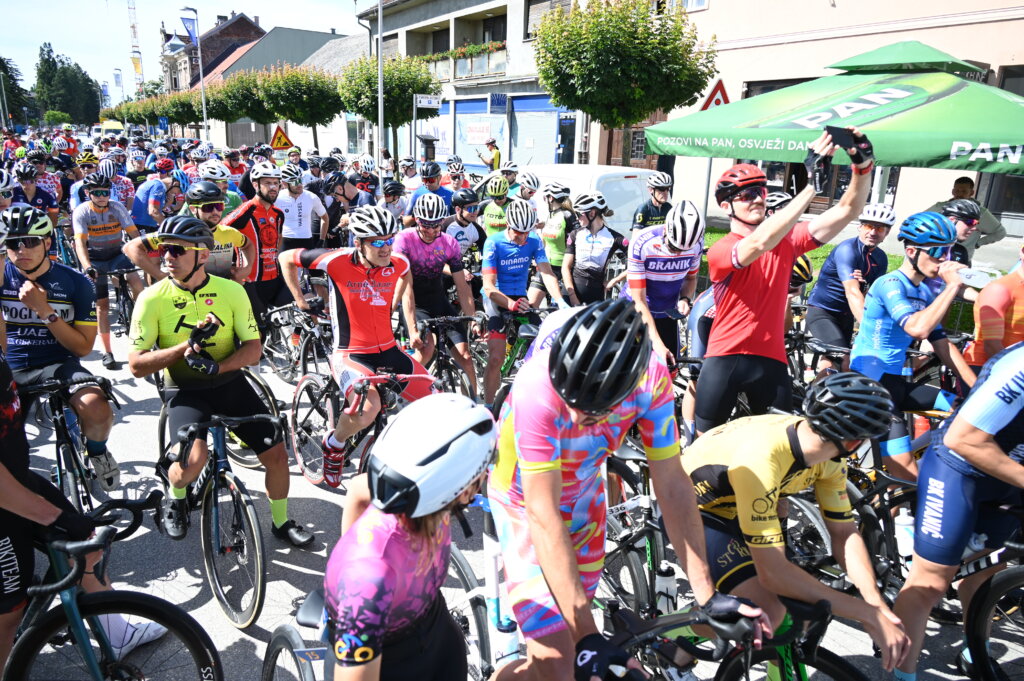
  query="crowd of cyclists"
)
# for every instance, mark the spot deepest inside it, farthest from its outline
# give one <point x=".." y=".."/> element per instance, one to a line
<point x="209" y="240"/>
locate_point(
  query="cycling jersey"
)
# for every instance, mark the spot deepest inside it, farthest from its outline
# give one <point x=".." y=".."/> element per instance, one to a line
<point x="591" y="253"/>
<point x="103" y="230"/>
<point x="50" y="183"/>
<point x="360" y="296"/>
<point x="396" y="207"/>
<point x="751" y="301"/>
<point x="443" y="192"/>
<point x="237" y="171"/>
<point x="124" y="189"/>
<point x="652" y="266"/>
<point x="77" y="196"/>
<point x="411" y="183"/>
<point x="380" y="579"/>
<point x="881" y="345"/>
<point x="222" y="255"/>
<point x="850" y="255"/>
<point x="165" y="315"/>
<point x="733" y="480"/>
<point x="549" y="328"/>
<point x="30" y="343"/>
<point x="511" y="262"/>
<point x="998" y="314"/>
<point x="151" y="191"/>
<point x="698" y="323"/>
<point x="137" y="177"/>
<point x="42" y="199"/>
<point x="298" y="213"/>
<point x="469" y="236"/>
<point x="553" y="234"/>
<point x="427" y="262"/>
<point x="649" y="215"/>
<point x="369" y="184"/>
<point x="492" y="217"/>
<point x="262" y="225"/>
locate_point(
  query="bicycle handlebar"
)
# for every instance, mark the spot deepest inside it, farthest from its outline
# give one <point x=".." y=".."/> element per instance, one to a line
<point x="630" y="631"/>
<point x="362" y="386"/>
<point x="78" y="549"/>
<point x="57" y="384"/>
<point x="438" y="322"/>
<point x="186" y="434"/>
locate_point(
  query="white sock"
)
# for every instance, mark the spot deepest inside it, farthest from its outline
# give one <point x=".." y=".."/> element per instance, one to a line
<point x="333" y="441"/>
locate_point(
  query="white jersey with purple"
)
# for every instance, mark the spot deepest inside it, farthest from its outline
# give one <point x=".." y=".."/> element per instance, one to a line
<point x="653" y="266"/>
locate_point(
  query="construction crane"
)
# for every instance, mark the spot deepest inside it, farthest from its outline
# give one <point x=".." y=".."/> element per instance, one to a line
<point x="136" y="52"/>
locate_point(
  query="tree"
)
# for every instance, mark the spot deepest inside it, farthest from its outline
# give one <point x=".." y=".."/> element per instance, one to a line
<point x="240" y="98"/>
<point x="17" y="97"/>
<point x="56" y="117"/>
<point x="403" y="78"/>
<point x="620" y="61"/>
<point x="152" y="88"/>
<point x="62" y="85"/>
<point x="305" y="96"/>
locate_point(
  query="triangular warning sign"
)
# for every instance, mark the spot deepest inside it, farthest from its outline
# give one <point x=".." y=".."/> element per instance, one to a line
<point x="716" y="98"/>
<point x="280" y="140"/>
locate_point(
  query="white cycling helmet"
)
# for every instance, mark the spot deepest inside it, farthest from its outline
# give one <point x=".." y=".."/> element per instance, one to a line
<point x="430" y="453"/>
<point x="199" y="154"/>
<point x="529" y="180"/>
<point x="60" y="144"/>
<point x="161" y="151"/>
<point x="367" y="164"/>
<point x="684" y="227"/>
<point x="510" y="167"/>
<point x="291" y="174"/>
<point x="430" y="207"/>
<point x="878" y="212"/>
<point x="456" y="168"/>
<point x="659" y="181"/>
<point x="777" y="200"/>
<point x="214" y="171"/>
<point x="520" y="215"/>
<point x="8" y="180"/>
<point x="265" y="169"/>
<point x="107" y="168"/>
<point x="372" y="222"/>
<point x="588" y="200"/>
<point x="556" y="191"/>
<point x="407" y="162"/>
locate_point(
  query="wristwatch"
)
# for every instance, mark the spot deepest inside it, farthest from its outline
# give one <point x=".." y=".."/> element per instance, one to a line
<point x="51" y="318"/>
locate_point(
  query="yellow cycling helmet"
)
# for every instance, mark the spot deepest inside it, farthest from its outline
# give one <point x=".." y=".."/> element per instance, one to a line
<point x="497" y="186"/>
<point x="803" y="272"/>
<point x="87" y="157"/>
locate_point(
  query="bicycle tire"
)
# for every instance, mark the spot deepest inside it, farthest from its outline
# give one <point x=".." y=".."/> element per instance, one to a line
<point x="237" y="450"/>
<point x="455" y="380"/>
<point x="237" y="520"/>
<point x="309" y="419"/>
<point x="827" y="664"/>
<point x="284" y="641"/>
<point x="279" y="352"/>
<point x="623" y="577"/>
<point x="34" y="649"/>
<point x="632" y="519"/>
<point x="314" y="356"/>
<point x="806" y="534"/>
<point x="1000" y="599"/>
<point x="469" y="609"/>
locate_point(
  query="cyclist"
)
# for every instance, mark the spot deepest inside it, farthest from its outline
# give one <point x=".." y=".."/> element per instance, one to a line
<point x="998" y="318"/>
<point x="739" y="488"/>
<point x="261" y="153"/>
<point x="113" y="165"/>
<point x="47" y="181"/>
<point x="342" y="198"/>
<point x="750" y="270"/>
<point x="965" y="214"/>
<point x="387" y="618"/>
<point x="589" y="247"/>
<point x="570" y="405"/>
<point x="408" y="176"/>
<point x="837" y="300"/>
<point x="138" y="172"/>
<point x="506" y="269"/>
<point x="262" y="223"/>
<point x="365" y="179"/>
<point x="299" y="206"/>
<point x="492" y="208"/>
<point x="652" y="212"/>
<point x="394" y="198"/>
<point x="529" y="185"/>
<point x="989" y="228"/>
<point x="430" y="252"/>
<point x="30" y="194"/>
<point x="8" y="183"/>
<point x="99" y="226"/>
<point x="431" y="174"/>
<point x="154" y="195"/>
<point x="295" y="158"/>
<point x="662" y="274"/>
<point x="901" y="308"/>
<point x="214" y="171"/>
<point x="202" y="375"/>
<point x="205" y="202"/>
<point x="233" y="161"/>
<point x="456" y="177"/>
<point x="76" y="192"/>
<point x="510" y="171"/>
<point x="363" y="281"/>
<point x="50" y="315"/>
<point x="973" y="462"/>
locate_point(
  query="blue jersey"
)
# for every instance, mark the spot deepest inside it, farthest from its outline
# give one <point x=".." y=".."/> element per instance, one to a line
<point x="881" y="345"/>
<point x="43" y="200"/>
<point x="443" y="192"/>
<point x="850" y="255"/>
<point x="30" y="343"/>
<point x="995" y="406"/>
<point x="511" y="262"/>
<point x="150" y="190"/>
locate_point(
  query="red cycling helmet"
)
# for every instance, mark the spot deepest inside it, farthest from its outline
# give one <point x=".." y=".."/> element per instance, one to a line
<point x="165" y="165"/>
<point x="740" y="176"/>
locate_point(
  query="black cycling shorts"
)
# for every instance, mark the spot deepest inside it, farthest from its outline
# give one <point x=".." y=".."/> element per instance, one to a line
<point x="907" y="396"/>
<point x="432" y="649"/>
<point x="668" y="332"/>
<point x="763" y="380"/>
<point x="233" y="399"/>
<point x="589" y="289"/>
<point x="118" y="262"/>
<point x="70" y="369"/>
<point x="537" y="282"/>
<point x="832" y="328"/>
<point x="264" y="295"/>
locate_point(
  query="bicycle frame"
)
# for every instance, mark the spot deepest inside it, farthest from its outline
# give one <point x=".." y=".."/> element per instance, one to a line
<point x="503" y="631"/>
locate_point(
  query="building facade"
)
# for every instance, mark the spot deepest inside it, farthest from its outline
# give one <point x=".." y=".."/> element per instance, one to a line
<point x="179" y="58"/>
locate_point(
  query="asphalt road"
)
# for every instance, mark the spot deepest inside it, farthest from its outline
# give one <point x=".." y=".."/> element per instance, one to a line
<point x="152" y="563"/>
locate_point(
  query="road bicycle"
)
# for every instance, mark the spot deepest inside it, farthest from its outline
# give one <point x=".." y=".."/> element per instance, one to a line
<point x="519" y="332"/>
<point x="64" y="246"/>
<point x="450" y="376"/>
<point x="289" y="656"/>
<point x="124" y="300"/>
<point x="71" y="640"/>
<point x="233" y="551"/>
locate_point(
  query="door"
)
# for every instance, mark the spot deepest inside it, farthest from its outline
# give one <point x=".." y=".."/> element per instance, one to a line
<point x="566" y="139"/>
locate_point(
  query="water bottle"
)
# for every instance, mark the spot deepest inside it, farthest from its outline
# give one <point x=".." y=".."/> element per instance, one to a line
<point x="904" y="532"/>
<point x="506" y="644"/>
<point x="665" y="588"/>
<point x="975" y="544"/>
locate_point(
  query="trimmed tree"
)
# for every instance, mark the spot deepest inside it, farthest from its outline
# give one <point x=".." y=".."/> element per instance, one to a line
<point x="240" y="94"/>
<point x="305" y="96"/>
<point x="621" y="61"/>
<point x="56" y="117"/>
<point x="403" y="78"/>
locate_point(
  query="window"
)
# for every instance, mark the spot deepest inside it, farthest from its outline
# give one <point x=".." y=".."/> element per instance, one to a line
<point x="694" y="5"/>
<point x="495" y="28"/>
<point x="535" y="9"/>
<point x="637" y="148"/>
<point x="439" y="41"/>
<point x="390" y="46"/>
<point x="659" y="6"/>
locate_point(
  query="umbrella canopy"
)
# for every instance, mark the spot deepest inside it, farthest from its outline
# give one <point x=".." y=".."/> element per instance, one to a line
<point x="904" y="97"/>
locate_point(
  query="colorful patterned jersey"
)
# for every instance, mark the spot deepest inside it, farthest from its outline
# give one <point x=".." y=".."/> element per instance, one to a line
<point x="998" y="314"/>
<point x="652" y="266"/>
<point x="261" y="225"/>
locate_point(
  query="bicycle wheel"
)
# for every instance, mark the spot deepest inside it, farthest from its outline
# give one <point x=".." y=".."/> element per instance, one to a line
<point x="233" y="550"/>
<point x="995" y="624"/>
<point x="314" y="356"/>
<point x="808" y="542"/>
<point x="278" y="349"/>
<point x="280" y="663"/>
<point x="462" y="594"/>
<point x="764" y="665"/>
<point x="239" y="451"/>
<point x="311" y="417"/>
<point x="454" y="380"/>
<point x="623" y="577"/>
<point x="47" y="650"/>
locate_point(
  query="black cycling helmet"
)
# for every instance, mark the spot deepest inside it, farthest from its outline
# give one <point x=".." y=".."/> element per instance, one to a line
<point x="803" y="272"/>
<point x="848" y="406"/>
<point x="464" y="197"/>
<point x="24" y="171"/>
<point x="333" y="181"/>
<point x="37" y="156"/>
<point x="392" y="188"/>
<point x="430" y="169"/>
<point x="186" y="228"/>
<point x="599" y="355"/>
<point x="329" y="164"/>
<point x="313" y="161"/>
<point x="95" y="181"/>
<point x="202" y="192"/>
<point x="962" y="209"/>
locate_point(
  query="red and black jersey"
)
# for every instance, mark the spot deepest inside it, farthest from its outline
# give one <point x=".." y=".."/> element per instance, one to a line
<point x="263" y="227"/>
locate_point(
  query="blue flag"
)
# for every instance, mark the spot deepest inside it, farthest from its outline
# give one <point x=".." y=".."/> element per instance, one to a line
<point x="190" y="28"/>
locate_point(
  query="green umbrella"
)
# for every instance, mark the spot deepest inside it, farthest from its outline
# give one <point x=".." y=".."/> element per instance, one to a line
<point x="903" y="96"/>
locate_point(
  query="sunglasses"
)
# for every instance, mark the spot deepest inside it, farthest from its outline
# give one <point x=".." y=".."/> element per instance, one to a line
<point x="212" y="207"/>
<point x="100" y="193"/>
<point x="24" y="242"/>
<point x="429" y="224"/>
<point x="431" y="179"/>
<point x="88" y="166"/>
<point x="751" y="194"/>
<point x="874" y="228"/>
<point x="381" y="243"/>
<point x="177" y="251"/>
<point x="970" y="222"/>
<point x="471" y="209"/>
<point x="7" y="194"/>
<point x="456" y="176"/>
<point x="939" y="252"/>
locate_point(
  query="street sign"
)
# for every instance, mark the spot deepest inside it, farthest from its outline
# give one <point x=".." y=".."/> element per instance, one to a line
<point x="717" y="97"/>
<point x="163" y="122"/>
<point x="280" y="140"/>
<point x="428" y="102"/>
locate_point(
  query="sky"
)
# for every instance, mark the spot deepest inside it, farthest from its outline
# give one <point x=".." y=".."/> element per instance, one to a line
<point x="96" y="34"/>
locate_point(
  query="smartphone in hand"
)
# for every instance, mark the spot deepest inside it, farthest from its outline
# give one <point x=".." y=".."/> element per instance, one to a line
<point x="841" y="137"/>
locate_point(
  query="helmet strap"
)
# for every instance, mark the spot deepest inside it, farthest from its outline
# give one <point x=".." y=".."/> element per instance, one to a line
<point x="732" y="214"/>
<point x="33" y="270"/>
<point x="191" y="272"/>
<point x="913" y="261"/>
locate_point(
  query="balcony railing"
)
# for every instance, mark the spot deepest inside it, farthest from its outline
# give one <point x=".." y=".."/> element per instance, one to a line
<point x="441" y="69"/>
<point x="486" y="64"/>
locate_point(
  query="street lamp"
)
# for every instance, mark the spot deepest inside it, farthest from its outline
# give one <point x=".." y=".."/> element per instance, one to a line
<point x="202" y="78"/>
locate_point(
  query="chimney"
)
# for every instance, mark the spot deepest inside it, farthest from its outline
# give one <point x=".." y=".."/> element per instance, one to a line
<point x="256" y="20"/>
<point x="221" y="19"/>
<point x="333" y="32"/>
<point x="232" y="14"/>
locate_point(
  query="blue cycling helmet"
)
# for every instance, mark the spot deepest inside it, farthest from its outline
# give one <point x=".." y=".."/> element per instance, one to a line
<point x="927" y="228"/>
<point x="181" y="177"/>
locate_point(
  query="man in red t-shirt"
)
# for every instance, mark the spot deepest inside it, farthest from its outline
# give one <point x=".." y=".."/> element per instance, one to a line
<point x="750" y="269"/>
